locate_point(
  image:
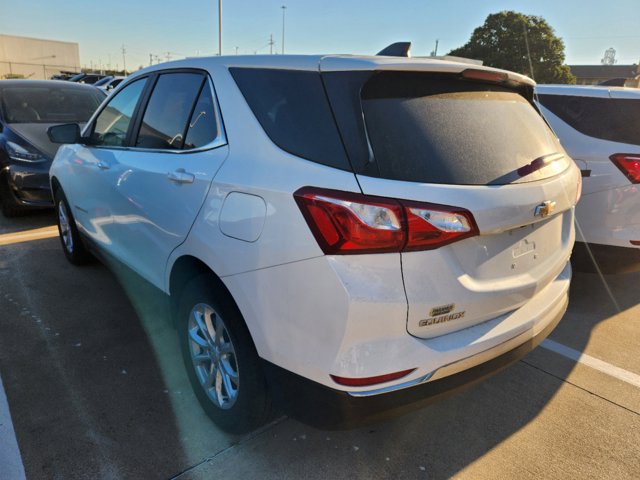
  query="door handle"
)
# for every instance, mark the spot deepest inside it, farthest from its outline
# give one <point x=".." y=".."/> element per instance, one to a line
<point x="103" y="166"/>
<point x="180" y="176"/>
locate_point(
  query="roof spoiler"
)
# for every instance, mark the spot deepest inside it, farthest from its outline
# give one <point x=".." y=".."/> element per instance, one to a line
<point x="398" y="49"/>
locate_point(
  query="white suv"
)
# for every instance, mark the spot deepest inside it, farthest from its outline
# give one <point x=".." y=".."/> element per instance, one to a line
<point x="348" y="236"/>
<point x="600" y="128"/>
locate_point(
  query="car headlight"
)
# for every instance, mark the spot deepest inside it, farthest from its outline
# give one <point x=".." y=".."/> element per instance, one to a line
<point x="17" y="152"/>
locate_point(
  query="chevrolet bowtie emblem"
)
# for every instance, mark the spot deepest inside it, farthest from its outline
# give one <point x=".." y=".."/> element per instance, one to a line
<point x="544" y="209"/>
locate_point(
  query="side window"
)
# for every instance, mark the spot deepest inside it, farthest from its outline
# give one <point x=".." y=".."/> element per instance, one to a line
<point x="293" y="110"/>
<point x="203" y="126"/>
<point x="113" y="122"/>
<point x="617" y="120"/>
<point x="169" y="109"/>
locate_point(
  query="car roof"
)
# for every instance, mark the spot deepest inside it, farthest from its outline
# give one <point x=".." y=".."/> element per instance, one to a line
<point x="43" y="84"/>
<point x="588" y="91"/>
<point x="327" y="63"/>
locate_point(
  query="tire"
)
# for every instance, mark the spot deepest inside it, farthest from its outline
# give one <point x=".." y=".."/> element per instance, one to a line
<point x="8" y="204"/>
<point x="220" y="357"/>
<point x="72" y="245"/>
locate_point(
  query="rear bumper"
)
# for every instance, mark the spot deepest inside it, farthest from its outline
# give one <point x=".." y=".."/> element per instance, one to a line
<point x="327" y="408"/>
<point x="609" y="218"/>
<point x="356" y="327"/>
<point x="449" y="363"/>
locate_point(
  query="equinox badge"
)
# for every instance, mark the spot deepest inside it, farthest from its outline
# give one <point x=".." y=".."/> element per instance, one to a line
<point x="544" y="209"/>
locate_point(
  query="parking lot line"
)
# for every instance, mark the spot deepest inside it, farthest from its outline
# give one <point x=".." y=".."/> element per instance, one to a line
<point x="28" y="235"/>
<point x="595" y="363"/>
<point x="10" y="459"/>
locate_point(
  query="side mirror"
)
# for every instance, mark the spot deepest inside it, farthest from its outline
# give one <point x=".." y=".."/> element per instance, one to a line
<point x="67" y="133"/>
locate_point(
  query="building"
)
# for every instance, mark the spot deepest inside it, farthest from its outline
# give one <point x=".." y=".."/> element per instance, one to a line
<point x="595" y="74"/>
<point x="37" y="58"/>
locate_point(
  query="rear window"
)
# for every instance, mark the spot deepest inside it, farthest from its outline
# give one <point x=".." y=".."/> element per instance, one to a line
<point x="49" y="104"/>
<point x="293" y="110"/>
<point x="450" y="131"/>
<point x="614" y="119"/>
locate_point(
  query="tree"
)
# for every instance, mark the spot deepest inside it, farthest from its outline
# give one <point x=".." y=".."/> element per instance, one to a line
<point x="504" y="39"/>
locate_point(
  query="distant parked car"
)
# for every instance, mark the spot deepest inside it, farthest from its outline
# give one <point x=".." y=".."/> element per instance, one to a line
<point x="89" y="78"/>
<point x="110" y="84"/>
<point x="27" y="109"/>
<point x="103" y="81"/>
<point x="349" y="235"/>
<point x="63" y="76"/>
<point x="76" y="77"/>
<point x="600" y="129"/>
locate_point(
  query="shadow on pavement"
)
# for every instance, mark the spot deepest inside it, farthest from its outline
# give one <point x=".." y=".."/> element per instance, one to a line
<point x="97" y="389"/>
<point x="86" y="393"/>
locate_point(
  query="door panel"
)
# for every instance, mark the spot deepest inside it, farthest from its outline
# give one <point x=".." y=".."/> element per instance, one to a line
<point x="158" y="188"/>
<point x="151" y="213"/>
<point x="91" y="195"/>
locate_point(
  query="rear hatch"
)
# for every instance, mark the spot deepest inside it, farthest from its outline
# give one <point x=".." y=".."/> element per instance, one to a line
<point x="470" y="139"/>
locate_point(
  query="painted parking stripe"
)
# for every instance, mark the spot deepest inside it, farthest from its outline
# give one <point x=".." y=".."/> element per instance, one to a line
<point x="10" y="460"/>
<point x="596" y="364"/>
<point x="28" y="235"/>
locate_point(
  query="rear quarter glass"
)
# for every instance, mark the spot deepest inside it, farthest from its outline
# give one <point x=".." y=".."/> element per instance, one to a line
<point x="292" y="108"/>
<point x="613" y="119"/>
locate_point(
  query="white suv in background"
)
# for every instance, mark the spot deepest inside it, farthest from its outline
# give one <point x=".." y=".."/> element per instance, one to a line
<point x="348" y="236"/>
<point x="600" y="129"/>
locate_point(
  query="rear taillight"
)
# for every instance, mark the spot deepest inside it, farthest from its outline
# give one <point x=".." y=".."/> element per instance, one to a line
<point x="349" y="223"/>
<point x="432" y="226"/>
<point x="629" y="164"/>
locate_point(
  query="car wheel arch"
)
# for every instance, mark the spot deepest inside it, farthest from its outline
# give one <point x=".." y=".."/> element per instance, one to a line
<point x="184" y="269"/>
<point x="55" y="185"/>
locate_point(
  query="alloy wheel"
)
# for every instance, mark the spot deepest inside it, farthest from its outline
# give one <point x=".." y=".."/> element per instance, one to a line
<point x="65" y="227"/>
<point x="213" y="356"/>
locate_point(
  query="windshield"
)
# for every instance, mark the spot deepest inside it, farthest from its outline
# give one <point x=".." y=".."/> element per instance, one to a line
<point x="26" y="104"/>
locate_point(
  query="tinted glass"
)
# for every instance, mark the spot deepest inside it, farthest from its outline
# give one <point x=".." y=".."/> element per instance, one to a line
<point x="103" y="81"/>
<point x="90" y="79"/>
<point x="115" y="83"/>
<point x="435" y="130"/>
<point x="113" y="122"/>
<point x="168" y="111"/>
<point x="203" y="125"/>
<point x="612" y="119"/>
<point x="48" y="104"/>
<point x="293" y="110"/>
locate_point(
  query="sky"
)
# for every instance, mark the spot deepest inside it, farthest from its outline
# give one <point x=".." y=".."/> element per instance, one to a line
<point x="175" y="29"/>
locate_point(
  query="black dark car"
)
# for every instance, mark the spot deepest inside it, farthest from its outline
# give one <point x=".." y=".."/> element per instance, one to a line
<point x="27" y="109"/>
<point x="89" y="78"/>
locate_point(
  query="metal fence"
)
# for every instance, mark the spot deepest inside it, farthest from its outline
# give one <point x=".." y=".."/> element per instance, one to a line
<point x="36" y="71"/>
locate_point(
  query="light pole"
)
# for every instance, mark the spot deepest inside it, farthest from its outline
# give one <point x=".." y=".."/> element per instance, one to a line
<point x="284" y="7"/>
<point x="124" y="60"/>
<point x="220" y="28"/>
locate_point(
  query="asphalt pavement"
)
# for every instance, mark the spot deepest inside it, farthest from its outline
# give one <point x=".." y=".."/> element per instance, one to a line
<point x="95" y="388"/>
